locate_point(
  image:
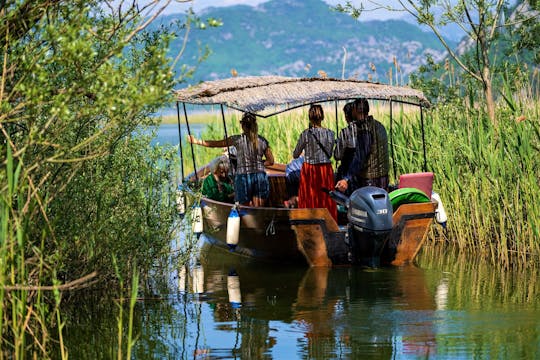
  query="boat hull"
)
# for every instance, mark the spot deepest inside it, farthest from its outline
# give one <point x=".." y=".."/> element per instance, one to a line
<point x="411" y="223"/>
<point x="278" y="234"/>
<point x="400" y="245"/>
<point x="312" y="236"/>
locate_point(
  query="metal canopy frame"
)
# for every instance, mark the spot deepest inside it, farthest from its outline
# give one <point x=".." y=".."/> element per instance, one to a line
<point x="422" y="102"/>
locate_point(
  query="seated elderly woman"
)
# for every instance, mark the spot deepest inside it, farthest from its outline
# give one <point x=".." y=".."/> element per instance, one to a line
<point x="218" y="185"/>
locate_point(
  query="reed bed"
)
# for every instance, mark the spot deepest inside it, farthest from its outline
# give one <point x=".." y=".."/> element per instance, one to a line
<point x="32" y="291"/>
<point x="488" y="179"/>
<point x="485" y="174"/>
<point x="461" y="282"/>
<point x="473" y="280"/>
<point x="25" y="312"/>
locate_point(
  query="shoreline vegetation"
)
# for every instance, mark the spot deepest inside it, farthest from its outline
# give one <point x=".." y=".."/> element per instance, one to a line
<point x="83" y="202"/>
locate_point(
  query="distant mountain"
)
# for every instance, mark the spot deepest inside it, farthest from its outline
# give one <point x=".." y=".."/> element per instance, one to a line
<point x="302" y="38"/>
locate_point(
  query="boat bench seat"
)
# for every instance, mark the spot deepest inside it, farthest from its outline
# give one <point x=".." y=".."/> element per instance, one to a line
<point x="278" y="190"/>
<point x="421" y="180"/>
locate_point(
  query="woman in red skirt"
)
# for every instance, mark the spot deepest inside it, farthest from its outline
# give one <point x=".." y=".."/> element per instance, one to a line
<point x="317" y="144"/>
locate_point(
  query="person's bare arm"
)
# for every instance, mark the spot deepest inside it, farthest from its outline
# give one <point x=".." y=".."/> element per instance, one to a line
<point x="342" y="185"/>
<point x="209" y="143"/>
<point x="269" y="157"/>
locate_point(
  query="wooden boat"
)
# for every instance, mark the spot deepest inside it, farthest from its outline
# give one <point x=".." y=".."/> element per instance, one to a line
<point x="311" y="236"/>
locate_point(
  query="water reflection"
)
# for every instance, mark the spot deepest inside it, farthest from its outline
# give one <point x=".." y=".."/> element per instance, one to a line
<point x="224" y="306"/>
<point x="233" y="288"/>
<point x="268" y="311"/>
<point x="198" y="280"/>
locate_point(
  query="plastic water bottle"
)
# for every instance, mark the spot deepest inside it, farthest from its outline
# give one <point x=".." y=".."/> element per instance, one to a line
<point x="233" y="228"/>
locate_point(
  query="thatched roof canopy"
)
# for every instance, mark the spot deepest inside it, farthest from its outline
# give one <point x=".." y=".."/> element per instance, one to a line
<point x="257" y="93"/>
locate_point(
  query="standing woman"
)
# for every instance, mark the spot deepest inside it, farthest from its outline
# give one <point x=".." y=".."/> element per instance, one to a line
<point x="317" y="144"/>
<point x="251" y="182"/>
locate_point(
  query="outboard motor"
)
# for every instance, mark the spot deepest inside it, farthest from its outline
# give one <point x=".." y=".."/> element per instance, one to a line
<point x="370" y="223"/>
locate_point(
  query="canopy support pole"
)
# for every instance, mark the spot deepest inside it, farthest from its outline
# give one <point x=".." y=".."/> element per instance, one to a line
<point x="337" y="125"/>
<point x="392" y="139"/>
<point x="423" y="138"/>
<point x="192" y="152"/>
<point x="337" y="131"/>
<point x="180" y="142"/>
<point x="224" y="125"/>
<point x="225" y="129"/>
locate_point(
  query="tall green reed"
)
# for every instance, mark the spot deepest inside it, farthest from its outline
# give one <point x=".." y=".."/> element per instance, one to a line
<point x="475" y="280"/>
<point x="24" y="313"/>
<point x="487" y="178"/>
<point x="120" y="303"/>
<point x="486" y="175"/>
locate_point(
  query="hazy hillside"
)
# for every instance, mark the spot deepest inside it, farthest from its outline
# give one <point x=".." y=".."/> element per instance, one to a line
<point x="302" y="37"/>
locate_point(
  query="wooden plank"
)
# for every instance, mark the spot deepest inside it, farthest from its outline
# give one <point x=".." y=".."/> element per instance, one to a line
<point x="411" y="224"/>
<point x="413" y="209"/>
<point x="276" y="168"/>
<point x="311" y="243"/>
<point x="310" y="236"/>
<point x="278" y="191"/>
<point x="318" y="214"/>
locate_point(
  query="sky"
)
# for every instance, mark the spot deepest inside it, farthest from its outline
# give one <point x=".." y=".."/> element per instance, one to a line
<point x="379" y="14"/>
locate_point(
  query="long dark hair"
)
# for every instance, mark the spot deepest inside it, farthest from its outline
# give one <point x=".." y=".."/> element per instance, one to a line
<point x="316" y="115"/>
<point x="250" y="128"/>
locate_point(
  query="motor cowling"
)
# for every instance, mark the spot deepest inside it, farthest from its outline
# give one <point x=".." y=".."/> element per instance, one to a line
<point x="370" y="210"/>
<point x="370" y="224"/>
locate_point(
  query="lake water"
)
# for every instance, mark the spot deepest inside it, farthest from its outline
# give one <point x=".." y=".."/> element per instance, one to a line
<point x="226" y="307"/>
<point x="168" y="133"/>
<point x="221" y="306"/>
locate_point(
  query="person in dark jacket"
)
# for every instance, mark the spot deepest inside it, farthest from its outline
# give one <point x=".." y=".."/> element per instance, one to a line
<point x="370" y="163"/>
<point x="346" y="142"/>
